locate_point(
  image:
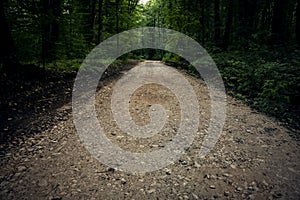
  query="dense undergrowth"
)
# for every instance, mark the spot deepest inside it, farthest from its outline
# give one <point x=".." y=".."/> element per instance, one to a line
<point x="267" y="81"/>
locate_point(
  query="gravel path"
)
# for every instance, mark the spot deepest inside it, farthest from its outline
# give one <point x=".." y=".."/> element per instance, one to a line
<point x="255" y="158"/>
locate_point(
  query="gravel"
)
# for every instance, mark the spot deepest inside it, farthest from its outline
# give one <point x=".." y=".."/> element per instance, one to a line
<point x="255" y="158"/>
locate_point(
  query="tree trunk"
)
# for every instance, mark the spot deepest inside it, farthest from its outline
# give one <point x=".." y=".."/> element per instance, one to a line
<point x="298" y="23"/>
<point x="202" y="21"/>
<point x="217" y="24"/>
<point x="100" y="21"/>
<point x="7" y="50"/>
<point x="93" y="20"/>
<point x="51" y="11"/>
<point x="228" y="24"/>
<point x="247" y="11"/>
<point x="279" y="22"/>
<point x="117" y="16"/>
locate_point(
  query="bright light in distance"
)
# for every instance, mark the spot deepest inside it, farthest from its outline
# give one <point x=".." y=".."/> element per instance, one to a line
<point x="143" y="2"/>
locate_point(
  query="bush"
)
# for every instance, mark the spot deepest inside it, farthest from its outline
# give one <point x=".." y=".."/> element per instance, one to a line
<point x="270" y="86"/>
<point x="64" y="65"/>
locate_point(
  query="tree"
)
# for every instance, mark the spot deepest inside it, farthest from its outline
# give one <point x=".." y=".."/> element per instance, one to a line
<point x="117" y="16"/>
<point x="202" y="21"/>
<point x="217" y="24"/>
<point x="7" y="49"/>
<point x="100" y="21"/>
<point x="298" y="24"/>
<point x="132" y="5"/>
<point x="93" y="20"/>
<point x="279" y="22"/>
<point x="247" y="16"/>
<point x="51" y="11"/>
<point x="228" y="24"/>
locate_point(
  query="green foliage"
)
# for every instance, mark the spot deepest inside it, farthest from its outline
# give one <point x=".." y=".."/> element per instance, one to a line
<point x="180" y="63"/>
<point x="272" y="87"/>
<point x="255" y="49"/>
<point x="172" y="58"/>
<point x="24" y="24"/>
<point x="76" y="27"/>
<point x="64" y="65"/>
<point x="281" y="84"/>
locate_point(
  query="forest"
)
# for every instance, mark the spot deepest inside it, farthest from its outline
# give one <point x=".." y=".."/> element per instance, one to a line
<point x="152" y="127"/>
<point x="255" y="43"/>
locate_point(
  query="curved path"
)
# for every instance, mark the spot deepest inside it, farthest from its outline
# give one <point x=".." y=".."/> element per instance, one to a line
<point x="255" y="158"/>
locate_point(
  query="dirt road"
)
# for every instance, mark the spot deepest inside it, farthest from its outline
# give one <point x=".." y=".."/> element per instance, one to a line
<point x="255" y="158"/>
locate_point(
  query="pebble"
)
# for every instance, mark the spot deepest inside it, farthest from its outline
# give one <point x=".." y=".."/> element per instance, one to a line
<point x="213" y="176"/>
<point x="195" y="196"/>
<point x="212" y="187"/>
<point x="265" y="183"/>
<point x="226" y="175"/>
<point x="226" y="193"/>
<point x="251" y="188"/>
<point x="30" y="149"/>
<point x="197" y="165"/>
<point x="21" y="168"/>
<point x="153" y="184"/>
<point x="5" y="191"/>
<point x="55" y="198"/>
<point x="277" y="195"/>
<point x="168" y="171"/>
<point x="42" y="183"/>
<point x="123" y="181"/>
<point x="151" y="191"/>
<point x="233" y="166"/>
<point x="183" y="162"/>
<point x="161" y="145"/>
<point x="109" y="169"/>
